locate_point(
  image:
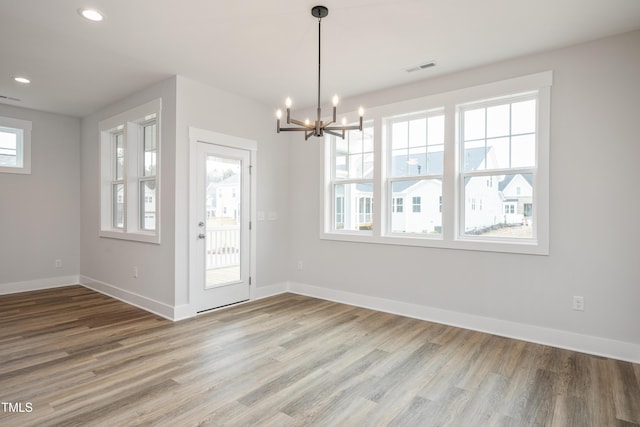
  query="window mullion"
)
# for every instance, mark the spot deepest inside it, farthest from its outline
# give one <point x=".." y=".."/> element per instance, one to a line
<point x="379" y="195"/>
<point x="452" y="159"/>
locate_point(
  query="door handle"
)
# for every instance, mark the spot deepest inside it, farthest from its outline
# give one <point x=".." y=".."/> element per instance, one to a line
<point x="202" y="236"/>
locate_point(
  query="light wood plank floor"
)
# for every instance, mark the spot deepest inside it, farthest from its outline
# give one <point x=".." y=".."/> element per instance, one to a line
<point x="81" y="358"/>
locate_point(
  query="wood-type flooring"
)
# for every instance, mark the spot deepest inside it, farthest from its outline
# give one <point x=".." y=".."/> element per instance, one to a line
<point x="76" y="357"/>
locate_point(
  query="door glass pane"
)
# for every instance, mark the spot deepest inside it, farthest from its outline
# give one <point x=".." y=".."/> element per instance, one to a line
<point x="223" y="205"/>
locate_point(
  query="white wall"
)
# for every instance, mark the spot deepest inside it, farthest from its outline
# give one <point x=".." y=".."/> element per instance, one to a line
<point x="40" y="212"/>
<point x="107" y="264"/>
<point x="216" y="110"/>
<point x="163" y="281"/>
<point x="594" y="247"/>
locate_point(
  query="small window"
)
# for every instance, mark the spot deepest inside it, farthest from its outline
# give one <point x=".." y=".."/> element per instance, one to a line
<point x="15" y="146"/>
<point x="417" y="202"/>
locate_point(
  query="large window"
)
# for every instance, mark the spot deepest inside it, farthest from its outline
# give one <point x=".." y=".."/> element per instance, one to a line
<point x="465" y="170"/>
<point x="129" y="170"/>
<point x="415" y="153"/>
<point x="15" y="145"/>
<point x="498" y="162"/>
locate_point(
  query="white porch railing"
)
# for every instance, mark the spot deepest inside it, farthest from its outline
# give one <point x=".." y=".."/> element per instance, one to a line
<point x="223" y="247"/>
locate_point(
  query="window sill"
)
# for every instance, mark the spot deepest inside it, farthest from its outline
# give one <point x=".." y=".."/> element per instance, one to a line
<point x="21" y="170"/>
<point x="530" y="247"/>
<point x="136" y="237"/>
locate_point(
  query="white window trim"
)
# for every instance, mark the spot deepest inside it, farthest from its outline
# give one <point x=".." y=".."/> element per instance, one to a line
<point x="24" y="145"/>
<point x="451" y="215"/>
<point x="132" y="120"/>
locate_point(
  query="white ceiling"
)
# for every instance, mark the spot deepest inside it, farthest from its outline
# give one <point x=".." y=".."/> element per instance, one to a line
<point x="267" y="49"/>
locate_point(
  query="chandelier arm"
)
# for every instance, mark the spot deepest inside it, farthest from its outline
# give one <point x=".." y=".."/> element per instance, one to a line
<point x="301" y="123"/>
<point x="351" y="127"/>
<point x="295" y="130"/>
<point x="332" y="132"/>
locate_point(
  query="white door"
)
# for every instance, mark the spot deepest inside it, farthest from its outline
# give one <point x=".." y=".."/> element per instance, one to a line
<point x="221" y="253"/>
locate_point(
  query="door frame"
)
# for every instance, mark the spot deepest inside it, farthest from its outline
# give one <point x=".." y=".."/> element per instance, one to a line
<point x="197" y="136"/>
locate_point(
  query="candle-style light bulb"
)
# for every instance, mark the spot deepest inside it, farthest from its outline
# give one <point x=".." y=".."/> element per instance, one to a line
<point x="361" y="111"/>
<point x="279" y="114"/>
<point x="306" y="121"/>
<point x="335" y="100"/>
<point x="344" y="121"/>
<point x="287" y="102"/>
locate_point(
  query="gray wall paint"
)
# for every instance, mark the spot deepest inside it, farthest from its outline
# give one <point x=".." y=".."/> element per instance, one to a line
<point x="216" y="110"/>
<point x="594" y="242"/>
<point x="112" y="260"/>
<point x="40" y="213"/>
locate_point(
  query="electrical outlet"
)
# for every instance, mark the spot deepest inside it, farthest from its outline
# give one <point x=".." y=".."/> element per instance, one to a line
<point x="135" y="272"/>
<point x="58" y="263"/>
<point x="300" y="265"/>
<point x="578" y="303"/>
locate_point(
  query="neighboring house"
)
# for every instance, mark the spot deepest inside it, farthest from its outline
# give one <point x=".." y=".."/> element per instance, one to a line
<point x="223" y="198"/>
<point x="517" y="191"/>
<point x="416" y="205"/>
<point x="150" y="209"/>
<point x="413" y="210"/>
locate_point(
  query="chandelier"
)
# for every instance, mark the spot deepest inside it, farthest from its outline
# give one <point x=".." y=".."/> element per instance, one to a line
<point x="319" y="127"/>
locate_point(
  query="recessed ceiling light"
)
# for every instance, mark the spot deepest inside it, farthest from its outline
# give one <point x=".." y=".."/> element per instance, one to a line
<point x="91" y="14"/>
<point x="22" y="80"/>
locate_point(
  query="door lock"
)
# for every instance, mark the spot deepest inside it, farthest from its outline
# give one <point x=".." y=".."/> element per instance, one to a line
<point x="202" y="236"/>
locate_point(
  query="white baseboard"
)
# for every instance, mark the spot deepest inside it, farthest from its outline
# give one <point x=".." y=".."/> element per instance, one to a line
<point x="156" y="307"/>
<point x="183" y="311"/>
<point x="259" y="292"/>
<point x="557" y="338"/>
<point x="553" y="337"/>
<point x="38" y="284"/>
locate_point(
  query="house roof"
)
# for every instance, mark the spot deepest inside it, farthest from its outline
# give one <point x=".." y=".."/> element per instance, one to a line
<point x="508" y="178"/>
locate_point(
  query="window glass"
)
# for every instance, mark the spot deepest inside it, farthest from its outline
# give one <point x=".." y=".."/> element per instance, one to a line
<point x="118" y="205"/>
<point x="150" y="150"/>
<point x="9" y="148"/>
<point x="499" y="206"/>
<point x="148" y="205"/>
<point x="119" y="157"/>
<point x="15" y="146"/>
<point x="424" y="216"/>
<point x="353" y="209"/>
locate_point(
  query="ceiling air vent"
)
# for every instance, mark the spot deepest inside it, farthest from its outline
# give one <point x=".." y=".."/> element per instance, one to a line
<point x="9" y="98"/>
<point x="420" y="66"/>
